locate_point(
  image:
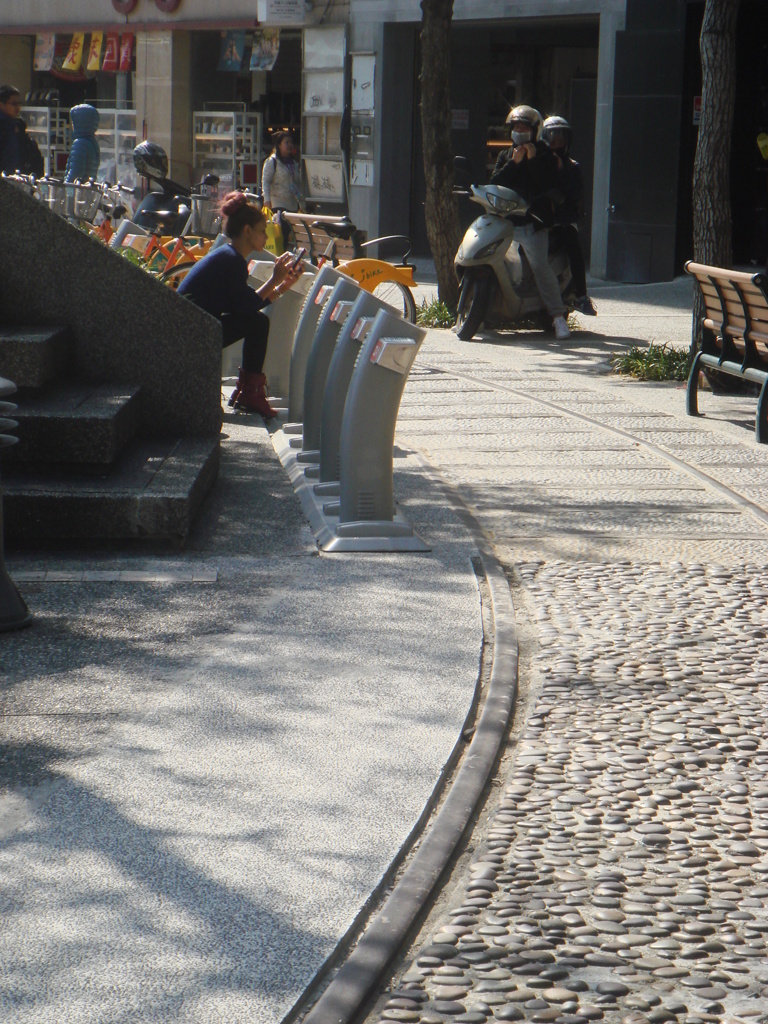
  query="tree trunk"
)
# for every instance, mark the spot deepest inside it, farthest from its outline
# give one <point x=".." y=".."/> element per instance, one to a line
<point x="441" y="208"/>
<point x="712" y="224"/>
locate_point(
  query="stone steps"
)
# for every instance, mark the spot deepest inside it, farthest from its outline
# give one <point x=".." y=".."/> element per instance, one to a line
<point x="153" y="492"/>
<point x="83" y="469"/>
<point x="34" y="356"/>
<point x="75" y="426"/>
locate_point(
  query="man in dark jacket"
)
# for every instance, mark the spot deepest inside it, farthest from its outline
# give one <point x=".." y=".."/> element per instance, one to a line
<point x="10" y="151"/>
<point x="531" y="169"/>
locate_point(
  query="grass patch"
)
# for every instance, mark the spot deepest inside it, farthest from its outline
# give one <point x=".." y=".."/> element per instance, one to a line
<point x="435" y="314"/>
<point x="657" y="362"/>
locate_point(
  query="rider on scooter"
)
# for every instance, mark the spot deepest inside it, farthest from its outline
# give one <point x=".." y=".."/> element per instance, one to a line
<point x="556" y="133"/>
<point x="530" y="168"/>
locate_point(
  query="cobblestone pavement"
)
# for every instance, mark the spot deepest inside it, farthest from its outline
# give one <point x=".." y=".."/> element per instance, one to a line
<point x="619" y="871"/>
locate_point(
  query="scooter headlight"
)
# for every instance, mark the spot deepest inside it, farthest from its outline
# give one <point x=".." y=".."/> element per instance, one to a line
<point x="488" y="250"/>
<point x="501" y="205"/>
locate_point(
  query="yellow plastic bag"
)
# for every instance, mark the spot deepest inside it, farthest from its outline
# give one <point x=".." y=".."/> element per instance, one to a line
<point x="274" y="234"/>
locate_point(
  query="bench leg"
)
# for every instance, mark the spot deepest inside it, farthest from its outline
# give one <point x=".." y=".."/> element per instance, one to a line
<point x="691" y="391"/>
<point x="761" y="416"/>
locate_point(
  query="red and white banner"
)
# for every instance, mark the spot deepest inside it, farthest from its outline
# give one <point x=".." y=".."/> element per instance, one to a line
<point x="126" y="51"/>
<point x="111" y="52"/>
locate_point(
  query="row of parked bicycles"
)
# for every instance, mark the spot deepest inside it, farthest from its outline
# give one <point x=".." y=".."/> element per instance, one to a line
<point x="166" y="230"/>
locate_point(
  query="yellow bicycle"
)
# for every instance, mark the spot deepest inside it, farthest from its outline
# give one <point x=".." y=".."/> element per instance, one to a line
<point x="344" y="249"/>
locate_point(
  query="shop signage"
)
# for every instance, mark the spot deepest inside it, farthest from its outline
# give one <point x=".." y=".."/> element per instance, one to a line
<point x="697" y="109"/>
<point x="45" y="46"/>
<point x="285" y="11"/>
<point x="112" y="52"/>
<point x="74" y="57"/>
<point x="94" y="52"/>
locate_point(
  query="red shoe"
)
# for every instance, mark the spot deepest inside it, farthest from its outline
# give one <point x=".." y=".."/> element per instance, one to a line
<point x="250" y="394"/>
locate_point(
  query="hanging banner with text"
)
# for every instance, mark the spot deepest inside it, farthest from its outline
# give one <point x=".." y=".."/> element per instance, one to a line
<point x="111" y="52"/>
<point x="94" y="51"/>
<point x="126" y="51"/>
<point x="74" y="57"/>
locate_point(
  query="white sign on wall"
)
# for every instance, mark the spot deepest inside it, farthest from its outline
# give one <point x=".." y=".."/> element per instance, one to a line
<point x="285" y="12"/>
<point x="325" y="47"/>
<point x="325" y="179"/>
<point x="363" y="71"/>
<point x="324" y="92"/>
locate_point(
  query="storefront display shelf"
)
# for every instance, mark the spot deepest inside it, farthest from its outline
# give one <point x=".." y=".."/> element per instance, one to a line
<point x="49" y="127"/>
<point x="228" y="143"/>
<point x="116" y="136"/>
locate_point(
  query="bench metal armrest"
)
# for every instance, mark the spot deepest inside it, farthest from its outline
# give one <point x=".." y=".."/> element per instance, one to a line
<point x="391" y="238"/>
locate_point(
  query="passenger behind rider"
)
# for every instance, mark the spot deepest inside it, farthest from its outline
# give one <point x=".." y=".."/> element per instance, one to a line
<point x="557" y="134"/>
<point x="218" y="283"/>
<point x="530" y="168"/>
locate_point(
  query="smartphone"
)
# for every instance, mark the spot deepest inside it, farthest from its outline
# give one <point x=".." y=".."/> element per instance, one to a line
<point x="297" y="261"/>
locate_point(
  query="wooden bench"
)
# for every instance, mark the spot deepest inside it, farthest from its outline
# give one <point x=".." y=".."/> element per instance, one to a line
<point x="735" y="334"/>
<point x="315" y="234"/>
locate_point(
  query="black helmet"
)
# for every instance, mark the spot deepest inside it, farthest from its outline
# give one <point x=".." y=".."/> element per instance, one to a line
<point x="151" y="161"/>
<point x="553" y="124"/>
<point x="526" y="115"/>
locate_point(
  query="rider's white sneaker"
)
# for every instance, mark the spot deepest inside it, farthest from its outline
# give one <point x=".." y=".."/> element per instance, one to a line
<point x="561" y="328"/>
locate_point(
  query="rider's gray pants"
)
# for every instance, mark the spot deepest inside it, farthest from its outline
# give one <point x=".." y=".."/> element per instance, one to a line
<point x="536" y="247"/>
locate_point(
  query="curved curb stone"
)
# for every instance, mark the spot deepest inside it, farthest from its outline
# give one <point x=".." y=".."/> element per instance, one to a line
<point x="356" y="980"/>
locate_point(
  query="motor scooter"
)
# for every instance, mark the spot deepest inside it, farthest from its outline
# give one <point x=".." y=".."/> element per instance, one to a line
<point x="169" y="205"/>
<point x="497" y="283"/>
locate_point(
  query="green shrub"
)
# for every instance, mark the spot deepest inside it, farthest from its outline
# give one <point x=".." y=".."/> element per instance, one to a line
<point x="657" y="362"/>
<point x="435" y="314"/>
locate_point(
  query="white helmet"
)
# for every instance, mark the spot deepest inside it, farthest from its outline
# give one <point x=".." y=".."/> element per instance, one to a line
<point x="525" y="115"/>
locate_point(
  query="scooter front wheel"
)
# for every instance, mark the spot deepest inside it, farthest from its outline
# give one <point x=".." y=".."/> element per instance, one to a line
<point x="473" y="303"/>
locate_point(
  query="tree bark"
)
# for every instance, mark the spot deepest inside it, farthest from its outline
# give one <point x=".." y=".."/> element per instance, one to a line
<point x="441" y="208"/>
<point x="712" y="221"/>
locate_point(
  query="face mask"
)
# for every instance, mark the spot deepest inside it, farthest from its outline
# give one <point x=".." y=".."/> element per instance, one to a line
<point x="520" y="138"/>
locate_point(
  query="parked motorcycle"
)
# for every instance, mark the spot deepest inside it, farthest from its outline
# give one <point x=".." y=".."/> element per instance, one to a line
<point x="168" y="205"/>
<point x="497" y="283"/>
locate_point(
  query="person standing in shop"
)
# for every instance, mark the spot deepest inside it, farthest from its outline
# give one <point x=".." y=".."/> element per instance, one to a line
<point x="280" y="182"/>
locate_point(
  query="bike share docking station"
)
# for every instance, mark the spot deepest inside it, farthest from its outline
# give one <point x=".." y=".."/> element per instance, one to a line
<point x="355" y="367"/>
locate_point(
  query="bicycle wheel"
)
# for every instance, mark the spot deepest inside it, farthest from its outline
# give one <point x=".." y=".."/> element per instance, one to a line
<point x="173" y="277"/>
<point x="399" y="296"/>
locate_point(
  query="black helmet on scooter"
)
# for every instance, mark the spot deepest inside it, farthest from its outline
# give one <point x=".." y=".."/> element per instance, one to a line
<point x="529" y="116"/>
<point x="151" y="161"/>
<point x="557" y="134"/>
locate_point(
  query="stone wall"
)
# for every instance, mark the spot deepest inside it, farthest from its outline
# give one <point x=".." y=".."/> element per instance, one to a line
<point x="127" y="328"/>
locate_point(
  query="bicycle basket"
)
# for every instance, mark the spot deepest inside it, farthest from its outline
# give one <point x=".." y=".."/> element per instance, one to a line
<point x="206" y="216"/>
<point x="54" y="195"/>
<point x="84" y="202"/>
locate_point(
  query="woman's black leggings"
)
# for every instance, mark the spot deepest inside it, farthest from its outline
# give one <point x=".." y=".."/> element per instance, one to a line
<point x="254" y="330"/>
